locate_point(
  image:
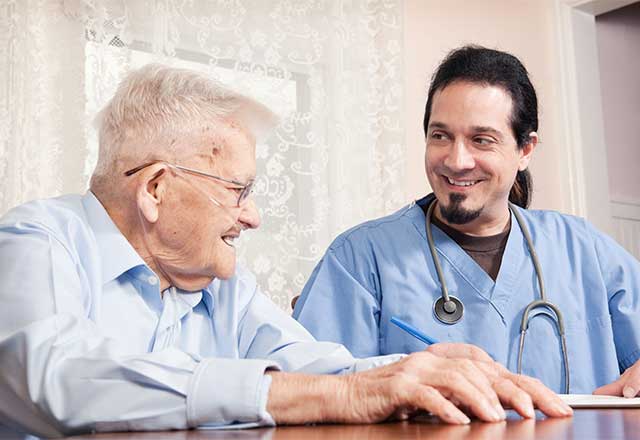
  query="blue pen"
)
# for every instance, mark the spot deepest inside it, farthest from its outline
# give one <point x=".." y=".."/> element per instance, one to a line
<point x="413" y="331"/>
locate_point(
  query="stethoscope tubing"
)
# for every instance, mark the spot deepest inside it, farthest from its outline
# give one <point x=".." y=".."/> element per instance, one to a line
<point x="442" y="313"/>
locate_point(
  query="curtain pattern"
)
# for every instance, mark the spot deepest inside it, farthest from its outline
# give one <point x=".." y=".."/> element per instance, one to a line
<point x="332" y="71"/>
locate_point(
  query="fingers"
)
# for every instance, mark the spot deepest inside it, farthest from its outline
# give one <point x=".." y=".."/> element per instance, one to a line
<point x="483" y="403"/>
<point x="524" y="393"/>
<point x="631" y="379"/>
<point x="611" y="389"/>
<point x="543" y="398"/>
<point x="482" y="385"/>
<point x="474" y="374"/>
<point x="459" y="351"/>
<point x="514" y="397"/>
<point x="459" y="380"/>
<point x="508" y="393"/>
<point x="402" y="414"/>
<point x="430" y="399"/>
<point x="628" y="385"/>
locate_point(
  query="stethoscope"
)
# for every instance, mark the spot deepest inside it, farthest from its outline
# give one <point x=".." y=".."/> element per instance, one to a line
<point x="449" y="309"/>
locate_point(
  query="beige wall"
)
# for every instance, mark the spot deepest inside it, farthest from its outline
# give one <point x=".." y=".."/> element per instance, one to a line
<point x="522" y="27"/>
<point x="618" y="48"/>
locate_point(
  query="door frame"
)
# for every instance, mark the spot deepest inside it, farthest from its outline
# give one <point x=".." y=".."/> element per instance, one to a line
<point x="583" y="137"/>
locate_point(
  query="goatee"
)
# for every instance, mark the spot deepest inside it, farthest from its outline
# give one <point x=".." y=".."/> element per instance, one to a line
<point x="454" y="213"/>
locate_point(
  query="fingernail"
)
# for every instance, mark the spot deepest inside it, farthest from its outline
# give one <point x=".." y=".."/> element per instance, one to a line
<point x="494" y="416"/>
<point x="629" y="392"/>
<point x="457" y="417"/>
<point x="562" y="408"/>
<point x="529" y="412"/>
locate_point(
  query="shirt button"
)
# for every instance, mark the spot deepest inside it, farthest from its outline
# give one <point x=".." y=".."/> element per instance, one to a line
<point x="152" y="280"/>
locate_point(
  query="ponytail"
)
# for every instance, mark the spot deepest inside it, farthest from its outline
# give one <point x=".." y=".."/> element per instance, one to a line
<point x="521" y="190"/>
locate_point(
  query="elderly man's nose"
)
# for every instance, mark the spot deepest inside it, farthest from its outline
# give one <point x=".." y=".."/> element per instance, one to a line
<point x="249" y="215"/>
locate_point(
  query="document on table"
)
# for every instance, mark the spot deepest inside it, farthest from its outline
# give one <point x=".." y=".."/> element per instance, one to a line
<point x="592" y="401"/>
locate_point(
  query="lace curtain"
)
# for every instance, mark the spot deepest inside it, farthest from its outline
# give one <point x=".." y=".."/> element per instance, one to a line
<point x="332" y="71"/>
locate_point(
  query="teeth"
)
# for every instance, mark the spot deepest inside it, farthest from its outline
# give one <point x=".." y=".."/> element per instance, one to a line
<point x="462" y="182"/>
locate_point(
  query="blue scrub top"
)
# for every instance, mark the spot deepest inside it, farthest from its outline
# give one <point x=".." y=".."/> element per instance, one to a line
<point x="383" y="268"/>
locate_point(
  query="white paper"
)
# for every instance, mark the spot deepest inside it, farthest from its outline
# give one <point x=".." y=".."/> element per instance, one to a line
<point x="591" y="401"/>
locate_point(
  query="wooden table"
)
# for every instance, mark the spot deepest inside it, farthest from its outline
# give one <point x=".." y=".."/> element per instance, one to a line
<point x="585" y="424"/>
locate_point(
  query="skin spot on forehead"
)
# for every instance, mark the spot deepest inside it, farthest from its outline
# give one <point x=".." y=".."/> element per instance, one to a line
<point x="216" y="145"/>
<point x="224" y="148"/>
<point x="235" y="126"/>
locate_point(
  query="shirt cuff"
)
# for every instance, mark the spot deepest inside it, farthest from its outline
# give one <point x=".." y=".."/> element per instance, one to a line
<point x="227" y="391"/>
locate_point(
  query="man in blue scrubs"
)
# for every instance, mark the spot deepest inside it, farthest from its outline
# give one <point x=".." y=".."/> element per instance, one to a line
<point x="480" y="126"/>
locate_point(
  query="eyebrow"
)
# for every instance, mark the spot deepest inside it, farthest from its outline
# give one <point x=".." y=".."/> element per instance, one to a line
<point x="244" y="179"/>
<point x="437" y="124"/>
<point x="487" y="129"/>
<point x="237" y="178"/>
<point x="475" y="128"/>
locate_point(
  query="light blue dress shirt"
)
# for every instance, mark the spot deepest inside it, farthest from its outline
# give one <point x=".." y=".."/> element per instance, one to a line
<point x="383" y="268"/>
<point x="87" y="342"/>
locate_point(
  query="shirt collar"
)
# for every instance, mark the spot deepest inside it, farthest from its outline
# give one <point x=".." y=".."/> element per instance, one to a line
<point x="117" y="254"/>
<point x="208" y="295"/>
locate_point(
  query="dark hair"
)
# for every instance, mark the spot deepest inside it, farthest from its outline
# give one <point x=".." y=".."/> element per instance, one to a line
<point x="492" y="67"/>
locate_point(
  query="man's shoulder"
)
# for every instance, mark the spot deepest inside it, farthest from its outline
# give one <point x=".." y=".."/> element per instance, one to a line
<point x="381" y="228"/>
<point x="571" y="234"/>
<point x="56" y="223"/>
<point x="55" y="215"/>
<point x="553" y="219"/>
<point x="557" y="227"/>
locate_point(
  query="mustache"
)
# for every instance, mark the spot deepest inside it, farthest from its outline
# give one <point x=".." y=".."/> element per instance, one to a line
<point x="456" y="175"/>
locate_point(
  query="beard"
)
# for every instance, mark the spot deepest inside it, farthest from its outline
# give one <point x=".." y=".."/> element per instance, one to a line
<point x="455" y="213"/>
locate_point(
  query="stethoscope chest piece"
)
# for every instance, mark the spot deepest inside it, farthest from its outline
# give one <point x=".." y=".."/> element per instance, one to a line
<point x="448" y="312"/>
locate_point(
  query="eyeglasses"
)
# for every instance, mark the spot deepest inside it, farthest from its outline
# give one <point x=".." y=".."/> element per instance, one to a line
<point x="244" y="189"/>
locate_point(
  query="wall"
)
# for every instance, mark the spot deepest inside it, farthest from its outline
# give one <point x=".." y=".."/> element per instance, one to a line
<point x="522" y="27"/>
<point x="618" y="38"/>
<point x="618" y="34"/>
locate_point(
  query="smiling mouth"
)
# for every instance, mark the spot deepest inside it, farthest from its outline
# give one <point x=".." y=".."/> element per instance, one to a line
<point x="461" y="183"/>
<point x="228" y="240"/>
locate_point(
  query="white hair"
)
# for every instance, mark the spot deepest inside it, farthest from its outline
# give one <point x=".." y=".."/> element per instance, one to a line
<point x="156" y="104"/>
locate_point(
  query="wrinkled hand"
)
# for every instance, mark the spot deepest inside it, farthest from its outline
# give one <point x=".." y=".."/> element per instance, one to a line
<point x="627" y="385"/>
<point x="520" y="392"/>
<point x="438" y="381"/>
<point x="452" y="375"/>
<point x="423" y="381"/>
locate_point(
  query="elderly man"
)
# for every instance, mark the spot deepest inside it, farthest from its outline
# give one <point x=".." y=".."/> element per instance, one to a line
<point x="123" y="309"/>
<point x="470" y="264"/>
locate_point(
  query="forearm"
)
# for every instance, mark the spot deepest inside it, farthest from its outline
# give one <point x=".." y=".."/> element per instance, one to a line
<point x="300" y="398"/>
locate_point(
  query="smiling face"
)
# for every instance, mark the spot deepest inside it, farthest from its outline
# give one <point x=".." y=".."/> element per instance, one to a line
<point x="192" y="240"/>
<point x="472" y="156"/>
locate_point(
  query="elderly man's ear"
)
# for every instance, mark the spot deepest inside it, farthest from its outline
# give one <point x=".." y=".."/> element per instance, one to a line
<point x="150" y="194"/>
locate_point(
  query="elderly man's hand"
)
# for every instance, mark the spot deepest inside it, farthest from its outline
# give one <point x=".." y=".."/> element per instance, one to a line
<point x="520" y="392"/>
<point x="420" y="381"/>
<point x="627" y="385"/>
